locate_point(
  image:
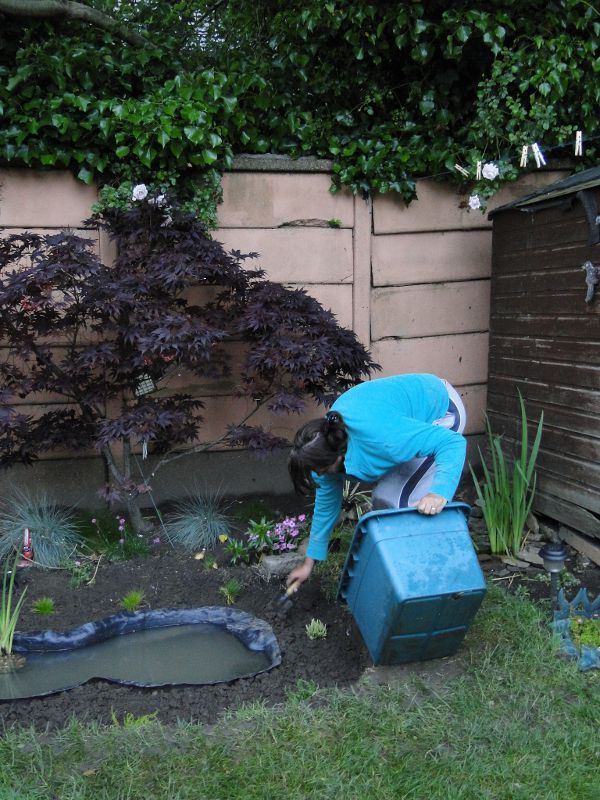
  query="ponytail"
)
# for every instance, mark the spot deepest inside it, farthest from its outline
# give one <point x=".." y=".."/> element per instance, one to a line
<point x="317" y="445"/>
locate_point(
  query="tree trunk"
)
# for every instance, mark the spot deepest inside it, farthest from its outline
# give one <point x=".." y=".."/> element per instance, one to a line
<point x="134" y="515"/>
<point x="42" y="9"/>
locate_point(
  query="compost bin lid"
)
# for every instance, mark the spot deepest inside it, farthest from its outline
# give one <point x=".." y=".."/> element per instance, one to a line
<point x="587" y="179"/>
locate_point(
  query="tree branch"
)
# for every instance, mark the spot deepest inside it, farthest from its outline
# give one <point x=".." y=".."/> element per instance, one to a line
<point x="71" y="10"/>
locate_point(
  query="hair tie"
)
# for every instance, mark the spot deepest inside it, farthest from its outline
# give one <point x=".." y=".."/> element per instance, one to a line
<point x="333" y="417"/>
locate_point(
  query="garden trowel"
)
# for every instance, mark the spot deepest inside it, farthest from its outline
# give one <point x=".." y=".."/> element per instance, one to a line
<point x="284" y="601"/>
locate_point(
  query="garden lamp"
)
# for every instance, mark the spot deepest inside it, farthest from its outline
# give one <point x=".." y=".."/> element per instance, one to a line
<point x="554" y="555"/>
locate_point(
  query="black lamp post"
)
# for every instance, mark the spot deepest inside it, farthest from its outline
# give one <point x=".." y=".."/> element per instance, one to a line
<point x="554" y="555"/>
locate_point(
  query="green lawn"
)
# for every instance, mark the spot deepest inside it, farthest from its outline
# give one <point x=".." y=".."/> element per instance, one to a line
<point x="518" y="723"/>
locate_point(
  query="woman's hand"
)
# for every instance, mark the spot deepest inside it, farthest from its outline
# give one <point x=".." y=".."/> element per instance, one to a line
<point x="300" y="574"/>
<point x="430" y="504"/>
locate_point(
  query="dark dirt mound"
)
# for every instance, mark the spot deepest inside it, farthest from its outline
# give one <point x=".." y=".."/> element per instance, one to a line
<point x="175" y="580"/>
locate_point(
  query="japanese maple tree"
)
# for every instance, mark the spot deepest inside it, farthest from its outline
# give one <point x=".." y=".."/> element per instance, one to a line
<point x="92" y="335"/>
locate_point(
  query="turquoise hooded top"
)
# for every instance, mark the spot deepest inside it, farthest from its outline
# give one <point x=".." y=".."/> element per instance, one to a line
<point x="388" y="421"/>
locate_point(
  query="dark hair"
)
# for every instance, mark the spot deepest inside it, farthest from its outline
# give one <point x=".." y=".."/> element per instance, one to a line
<point x="317" y="445"/>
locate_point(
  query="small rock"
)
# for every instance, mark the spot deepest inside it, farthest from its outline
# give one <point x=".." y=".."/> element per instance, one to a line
<point x="548" y="532"/>
<point x="514" y="562"/>
<point x="279" y="566"/>
<point x="484" y="557"/>
<point x="477" y="526"/>
<point x="476" y="512"/>
<point x="531" y="554"/>
<point x="532" y="523"/>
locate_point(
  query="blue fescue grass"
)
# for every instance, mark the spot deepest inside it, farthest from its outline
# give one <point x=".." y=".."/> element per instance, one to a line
<point x="197" y="522"/>
<point x="54" y="532"/>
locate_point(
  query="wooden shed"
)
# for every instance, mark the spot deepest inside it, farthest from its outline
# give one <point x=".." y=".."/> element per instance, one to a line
<point x="545" y="341"/>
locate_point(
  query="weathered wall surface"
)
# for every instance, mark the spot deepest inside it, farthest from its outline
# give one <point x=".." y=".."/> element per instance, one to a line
<point x="413" y="283"/>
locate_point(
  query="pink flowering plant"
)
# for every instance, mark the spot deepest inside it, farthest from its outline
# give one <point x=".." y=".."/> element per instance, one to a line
<point x="265" y="537"/>
<point x="280" y="537"/>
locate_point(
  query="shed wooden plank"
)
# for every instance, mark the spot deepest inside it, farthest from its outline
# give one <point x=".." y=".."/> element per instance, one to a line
<point x="542" y="259"/>
<point x="582" y="496"/>
<point x="561" y="466"/>
<point x="583" y="400"/>
<point x="586" y="352"/>
<point x="567" y="443"/>
<point x="527" y="232"/>
<point x="586" y="376"/>
<point x="553" y="301"/>
<point x="584" y="327"/>
<point x="568" y="513"/>
<point x="556" y="416"/>
<point x="584" y="545"/>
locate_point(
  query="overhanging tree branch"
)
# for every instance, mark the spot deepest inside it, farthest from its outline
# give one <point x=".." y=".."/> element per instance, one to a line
<point x="71" y="10"/>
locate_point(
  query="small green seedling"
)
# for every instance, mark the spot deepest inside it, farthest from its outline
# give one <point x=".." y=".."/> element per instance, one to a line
<point x="82" y="572"/>
<point x="231" y="591"/>
<point x="316" y="629"/>
<point x="133" y="600"/>
<point x="210" y="562"/>
<point x="131" y="721"/>
<point x="334" y="223"/>
<point x="44" y="606"/>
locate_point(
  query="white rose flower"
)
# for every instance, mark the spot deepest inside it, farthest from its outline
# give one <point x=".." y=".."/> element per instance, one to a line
<point x="159" y="201"/>
<point x="474" y="202"/>
<point x="490" y="171"/>
<point x="140" y="192"/>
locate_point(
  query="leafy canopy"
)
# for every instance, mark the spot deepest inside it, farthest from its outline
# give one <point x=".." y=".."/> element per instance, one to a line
<point x="95" y="335"/>
<point x="391" y="91"/>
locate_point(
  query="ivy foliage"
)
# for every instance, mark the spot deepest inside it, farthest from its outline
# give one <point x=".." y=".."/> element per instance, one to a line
<point x="391" y="91"/>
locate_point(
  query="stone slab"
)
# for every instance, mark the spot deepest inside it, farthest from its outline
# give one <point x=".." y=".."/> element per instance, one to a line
<point x="461" y="359"/>
<point x="430" y="309"/>
<point x="52" y="199"/>
<point x="268" y="200"/>
<point x="318" y="255"/>
<point x="431" y="257"/>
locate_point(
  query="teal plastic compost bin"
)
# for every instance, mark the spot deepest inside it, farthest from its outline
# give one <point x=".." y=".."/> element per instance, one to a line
<point x="412" y="582"/>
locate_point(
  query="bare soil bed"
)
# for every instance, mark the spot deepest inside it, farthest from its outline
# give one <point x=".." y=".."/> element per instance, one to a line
<point x="172" y="580"/>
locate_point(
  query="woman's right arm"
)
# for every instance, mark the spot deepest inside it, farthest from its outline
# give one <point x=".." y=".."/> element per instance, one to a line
<point x="328" y="504"/>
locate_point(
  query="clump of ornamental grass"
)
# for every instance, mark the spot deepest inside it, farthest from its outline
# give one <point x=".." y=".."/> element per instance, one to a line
<point x="9" y="618"/>
<point x="507" y="489"/>
<point x="133" y="600"/>
<point x="54" y="533"/>
<point x="44" y="607"/>
<point x="197" y="522"/>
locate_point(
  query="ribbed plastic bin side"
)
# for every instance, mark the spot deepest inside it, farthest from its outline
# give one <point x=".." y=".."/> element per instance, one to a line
<point x="413" y="583"/>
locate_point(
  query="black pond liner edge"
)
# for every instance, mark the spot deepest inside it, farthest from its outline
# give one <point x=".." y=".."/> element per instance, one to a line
<point x="254" y="633"/>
